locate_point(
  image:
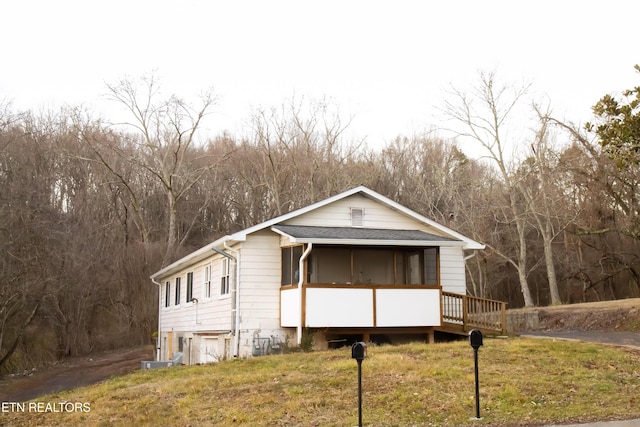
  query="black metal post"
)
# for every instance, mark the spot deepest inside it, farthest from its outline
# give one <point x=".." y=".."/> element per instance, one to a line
<point x="475" y="359"/>
<point x="359" y="392"/>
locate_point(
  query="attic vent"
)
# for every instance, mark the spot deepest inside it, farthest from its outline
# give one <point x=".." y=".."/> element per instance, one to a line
<point x="357" y="217"/>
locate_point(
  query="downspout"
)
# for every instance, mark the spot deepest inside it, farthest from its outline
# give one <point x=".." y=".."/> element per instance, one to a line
<point x="159" y="311"/>
<point x="468" y="257"/>
<point x="236" y="344"/>
<point x="301" y="276"/>
<point x="234" y="312"/>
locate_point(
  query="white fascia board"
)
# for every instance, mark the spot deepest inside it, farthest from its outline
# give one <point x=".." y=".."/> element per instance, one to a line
<point x="282" y="233"/>
<point x="369" y="242"/>
<point x="192" y="258"/>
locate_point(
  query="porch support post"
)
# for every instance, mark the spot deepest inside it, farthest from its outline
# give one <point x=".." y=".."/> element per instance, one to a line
<point x="301" y="278"/>
<point x="431" y="336"/>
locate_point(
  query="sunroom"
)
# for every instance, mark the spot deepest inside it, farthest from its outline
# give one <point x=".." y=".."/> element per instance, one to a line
<point x="361" y="280"/>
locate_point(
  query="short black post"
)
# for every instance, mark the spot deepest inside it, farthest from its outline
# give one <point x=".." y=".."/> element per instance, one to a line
<point x="475" y="360"/>
<point x="475" y="339"/>
<point x="359" y="392"/>
<point x="359" y="352"/>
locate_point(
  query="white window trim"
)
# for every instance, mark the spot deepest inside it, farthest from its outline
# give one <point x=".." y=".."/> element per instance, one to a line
<point x="186" y="287"/>
<point x="166" y="307"/>
<point x="225" y="264"/>
<point x="175" y="280"/>
<point x="207" y="268"/>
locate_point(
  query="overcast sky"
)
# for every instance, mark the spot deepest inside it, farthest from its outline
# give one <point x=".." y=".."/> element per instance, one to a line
<point x="388" y="63"/>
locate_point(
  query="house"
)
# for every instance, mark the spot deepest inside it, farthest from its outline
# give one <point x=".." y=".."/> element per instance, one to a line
<point x="355" y="266"/>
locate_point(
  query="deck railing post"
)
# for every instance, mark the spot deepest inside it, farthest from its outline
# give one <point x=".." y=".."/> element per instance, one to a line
<point x="504" y="318"/>
<point x="465" y="311"/>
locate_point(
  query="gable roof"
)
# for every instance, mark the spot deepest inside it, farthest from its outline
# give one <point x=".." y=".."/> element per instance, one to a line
<point x="241" y="235"/>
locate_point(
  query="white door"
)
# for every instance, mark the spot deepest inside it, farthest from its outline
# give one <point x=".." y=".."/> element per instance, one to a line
<point x="209" y="350"/>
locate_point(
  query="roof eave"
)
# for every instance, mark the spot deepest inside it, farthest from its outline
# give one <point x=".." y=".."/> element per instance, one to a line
<point x="376" y="242"/>
<point x="192" y="258"/>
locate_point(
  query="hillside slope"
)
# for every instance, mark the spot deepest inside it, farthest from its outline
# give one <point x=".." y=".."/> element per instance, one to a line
<point x="605" y="316"/>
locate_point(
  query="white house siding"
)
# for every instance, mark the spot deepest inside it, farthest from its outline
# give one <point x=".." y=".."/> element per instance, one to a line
<point x="260" y="272"/>
<point x="376" y="215"/>
<point x="212" y="313"/>
<point x="209" y="317"/>
<point x="452" y="272"/>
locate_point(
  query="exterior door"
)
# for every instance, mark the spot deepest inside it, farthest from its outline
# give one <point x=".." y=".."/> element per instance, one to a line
<point x="209" y="350"/>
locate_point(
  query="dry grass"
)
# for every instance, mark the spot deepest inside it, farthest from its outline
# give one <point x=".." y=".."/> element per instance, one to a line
<point x="523" y="382"/>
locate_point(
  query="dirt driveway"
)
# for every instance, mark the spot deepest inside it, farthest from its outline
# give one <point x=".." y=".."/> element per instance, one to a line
<point x="73" y="373"/>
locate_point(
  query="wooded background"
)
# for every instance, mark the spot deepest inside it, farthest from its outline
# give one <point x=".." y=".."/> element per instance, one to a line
<point x="89" y="209"/>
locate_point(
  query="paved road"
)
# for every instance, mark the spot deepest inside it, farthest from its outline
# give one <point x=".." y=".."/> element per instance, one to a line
<point x="628" y="423"/>
<point x="629" y="339"/>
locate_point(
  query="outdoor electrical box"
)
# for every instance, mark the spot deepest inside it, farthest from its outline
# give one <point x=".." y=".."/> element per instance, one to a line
<point x="359" y="351"/>
<point x="475" y="339"/>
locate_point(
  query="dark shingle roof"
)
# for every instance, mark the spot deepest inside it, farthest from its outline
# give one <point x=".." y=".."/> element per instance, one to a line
<point x="356" y="233"/>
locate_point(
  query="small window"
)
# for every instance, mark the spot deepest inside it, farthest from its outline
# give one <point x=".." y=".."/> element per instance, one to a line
<point x="189" y="286"/>
<point x="177" y="291"/>
<point x="225" y="276"/>
<point x="431" y="266"/>
<point x="291" y="264"/>
<point x="357" y="217"/>
<point x="167" y="294"/>
<point x="207" y="281"/>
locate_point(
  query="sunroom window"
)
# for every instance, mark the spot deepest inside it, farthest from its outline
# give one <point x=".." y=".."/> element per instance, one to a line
<point x="290" y="264"/>
<point x="376" y="266"/>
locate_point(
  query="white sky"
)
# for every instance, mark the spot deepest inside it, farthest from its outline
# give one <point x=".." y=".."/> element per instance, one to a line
<point x="389" y="63"/>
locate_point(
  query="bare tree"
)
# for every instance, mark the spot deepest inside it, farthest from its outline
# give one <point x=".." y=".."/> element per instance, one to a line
<point x="484" y="123"/>
<point x="165" y="132"/>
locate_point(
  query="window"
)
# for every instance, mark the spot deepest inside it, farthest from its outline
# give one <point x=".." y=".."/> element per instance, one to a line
<point x="431" y="266"/>
<point x="167" y="294"/>
<point x="419" y="266"/>
<point x="177" y="291"/>
<point x="207" y="281"/>
<point x="290" y="265"/>
<point x="332" y="265"/>
<point x="375" y="266"/>
<point x="189" y="286"/>
<point x="414" y="272"/>
<point x="225" y="276"/>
